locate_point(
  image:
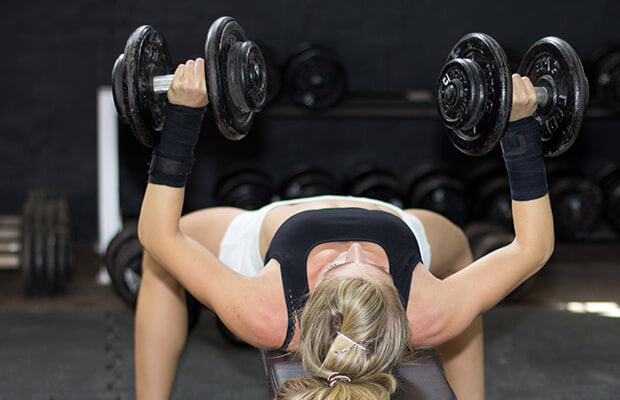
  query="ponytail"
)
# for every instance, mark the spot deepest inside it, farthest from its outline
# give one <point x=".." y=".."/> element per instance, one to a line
<point x="353" y="334"/>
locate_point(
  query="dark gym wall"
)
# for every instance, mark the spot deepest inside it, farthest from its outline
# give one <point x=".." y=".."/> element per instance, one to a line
<point x="56" y="54"/>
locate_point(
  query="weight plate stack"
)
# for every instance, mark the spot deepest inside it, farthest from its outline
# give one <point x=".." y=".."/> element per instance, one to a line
<point x="10" y="241"/>
<point x="236" y="77"/>
<point x="474" y="94"/>
<point x="46" y="243"/>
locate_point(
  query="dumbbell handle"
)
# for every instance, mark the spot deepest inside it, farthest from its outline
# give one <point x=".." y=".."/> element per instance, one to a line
<point x="161" y="83"/>
<point x="542" y="95"/>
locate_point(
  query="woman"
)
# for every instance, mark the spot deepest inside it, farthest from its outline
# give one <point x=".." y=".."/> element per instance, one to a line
<point x="375" y="292"/>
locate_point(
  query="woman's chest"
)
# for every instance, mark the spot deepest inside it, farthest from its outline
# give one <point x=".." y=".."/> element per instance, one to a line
<point x="278" y="215"/>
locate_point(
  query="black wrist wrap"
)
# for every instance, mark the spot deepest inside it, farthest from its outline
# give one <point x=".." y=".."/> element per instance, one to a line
<point x="173" y="158"/>
<point x="522" y="151"/>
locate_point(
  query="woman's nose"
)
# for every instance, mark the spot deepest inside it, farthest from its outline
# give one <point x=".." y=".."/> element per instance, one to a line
<point x="355" y="253"/>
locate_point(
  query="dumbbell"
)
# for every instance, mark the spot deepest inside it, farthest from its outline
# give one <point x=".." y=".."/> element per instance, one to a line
<point x="235" y="74"/>
<point x="474" y="93"/>
<point x="308" y="181"/>
<point x="375" y="182"/>
<point x="485" y="237"/>
<point x="123" y="261"/>
<point x="608" y="178"/>
<point x="607" y="75"/>
<point x="436" y="187"/>
<point x="314" y="76"/>
<point x="491" y="194"/>
<point x="245" y="187"/>
<point x="576" y="202"/>
<point x="39" y="242"/>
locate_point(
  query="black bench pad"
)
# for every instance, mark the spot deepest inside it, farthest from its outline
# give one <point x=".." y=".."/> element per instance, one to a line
<point x="421" y="380"/>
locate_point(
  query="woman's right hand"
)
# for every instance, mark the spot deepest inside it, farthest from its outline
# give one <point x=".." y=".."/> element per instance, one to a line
<point x="189" y="86"/>
<point x="524" y="100"/>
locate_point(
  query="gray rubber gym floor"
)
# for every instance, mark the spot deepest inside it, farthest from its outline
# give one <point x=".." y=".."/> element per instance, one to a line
<point x="80" y="346"/>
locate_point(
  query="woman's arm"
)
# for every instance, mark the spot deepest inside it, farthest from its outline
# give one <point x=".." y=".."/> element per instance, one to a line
<point x="231" y="295"/>
<point x="446" y="307"/>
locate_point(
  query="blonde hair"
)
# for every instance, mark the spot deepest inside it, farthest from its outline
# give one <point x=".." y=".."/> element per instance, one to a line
<point x="340" y="312"/>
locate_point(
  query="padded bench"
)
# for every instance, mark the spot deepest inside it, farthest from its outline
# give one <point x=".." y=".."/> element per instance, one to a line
<point x="422" y="380"/>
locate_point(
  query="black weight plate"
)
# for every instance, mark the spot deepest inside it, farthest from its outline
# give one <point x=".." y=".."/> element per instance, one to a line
<point x="48" y="231"/>
<point x="491" y="59"/>
<point x="247" y="188"/>
<point x="375" y="182"/>
<point x="246" y="75"/>
<point x="126" y="271"/>
<point x="492" y="199"/>
<point x="64" y="243"/>
<point x="552" y="63"/>
<point x="274" y="73"/>
<point x="118" y="90"/>
<point x="315" y="77"/>
<point x="494" y="202"/>
<point x="129" y="231"/>
<point x="436" y="187"/>
<point x="577" y="203"/>
<point x="308" y="181"/>
<point x="461" y="94"/>
<point x="146" y="56"/>
<point x="40" y="276"/>
<point x="612" y="210"/>
<point x="444" y="195"/>
<point x="477" y="230"/>
<point x="62" y="258"/>
<point x="493" y="240"/>
<point x="608" y="79"/>
<point x="27" y="250"/>
<point x="231" y="121"/>
<point x="125" y="268"/>
<point x="608" y="178"/>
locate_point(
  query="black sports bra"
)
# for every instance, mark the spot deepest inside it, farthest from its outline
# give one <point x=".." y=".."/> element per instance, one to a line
<point x="299" y="234"/>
